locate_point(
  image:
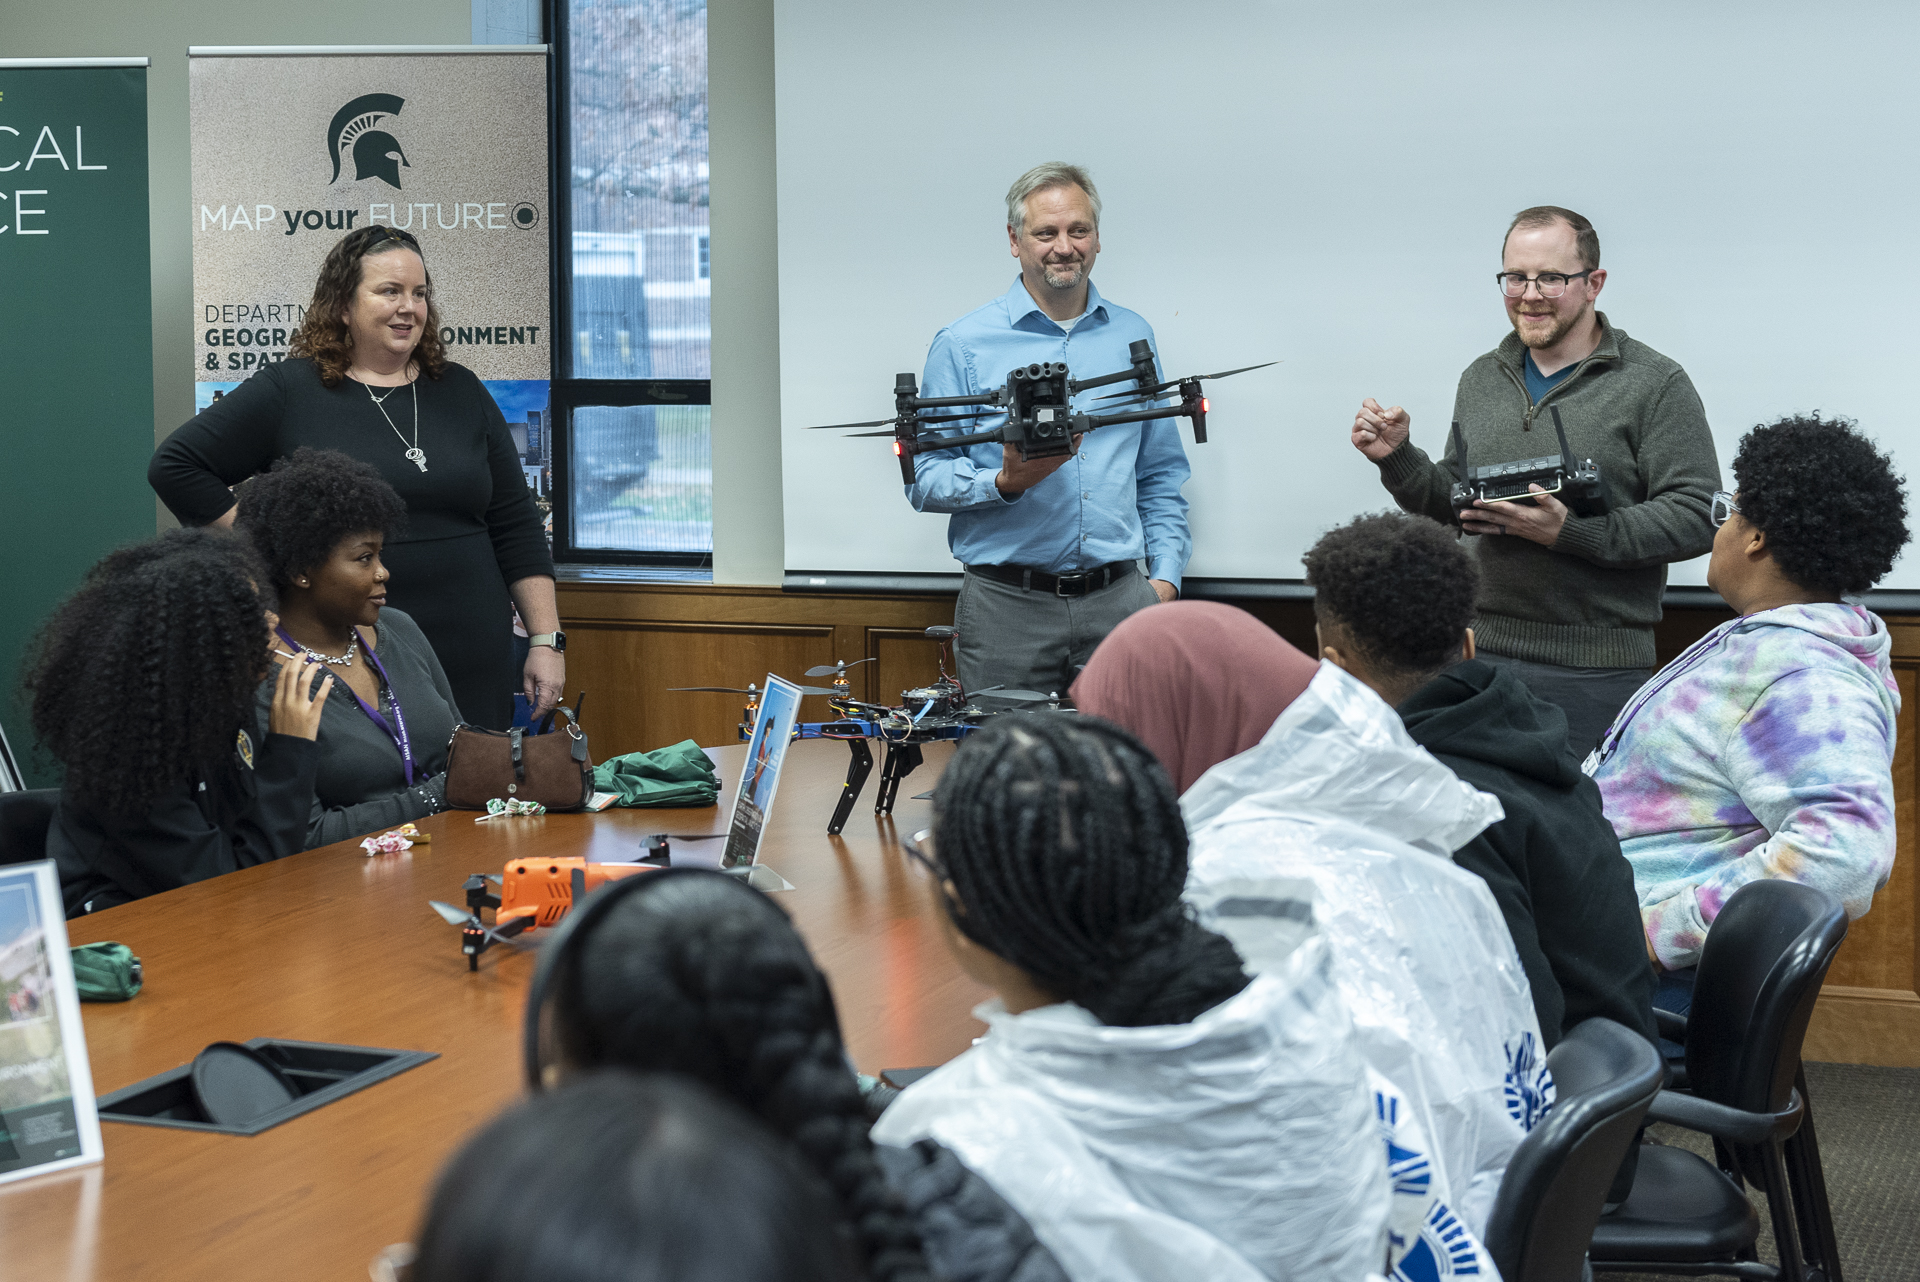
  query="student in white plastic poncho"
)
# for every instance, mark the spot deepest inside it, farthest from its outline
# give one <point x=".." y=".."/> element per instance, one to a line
<point x="1301" y="787"/>
<point x="1154" y="1113"/>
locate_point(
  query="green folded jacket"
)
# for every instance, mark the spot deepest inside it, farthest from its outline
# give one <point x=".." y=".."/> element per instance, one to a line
<point x="680" y="775"/>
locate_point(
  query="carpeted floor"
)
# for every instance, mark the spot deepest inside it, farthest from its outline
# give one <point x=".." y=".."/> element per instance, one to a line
<point x="1868" y="1121"/>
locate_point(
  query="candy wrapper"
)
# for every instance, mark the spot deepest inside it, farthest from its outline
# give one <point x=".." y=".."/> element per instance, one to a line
<point x="499" y="809"/>
<point x="395" y="840"/>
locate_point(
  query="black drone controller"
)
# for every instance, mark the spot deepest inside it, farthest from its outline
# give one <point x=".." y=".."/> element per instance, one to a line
<point x="1579" y="487"/>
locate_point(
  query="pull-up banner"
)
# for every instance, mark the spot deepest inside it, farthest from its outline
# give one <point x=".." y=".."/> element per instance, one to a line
<point x="295" y="147"/>
<point x="76" y="343"/>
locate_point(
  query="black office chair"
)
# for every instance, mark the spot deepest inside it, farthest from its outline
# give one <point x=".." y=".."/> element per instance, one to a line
<point x="24" y="818"/>
<point x="1605" y="1076"/>
<point x="1759" y="976"/>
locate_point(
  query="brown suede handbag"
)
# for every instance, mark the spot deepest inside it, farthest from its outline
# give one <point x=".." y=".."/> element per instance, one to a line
<point x="555" y="770"/>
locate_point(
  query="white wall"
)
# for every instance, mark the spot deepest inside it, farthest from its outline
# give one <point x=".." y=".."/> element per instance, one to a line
<point x="1328" y="185"/>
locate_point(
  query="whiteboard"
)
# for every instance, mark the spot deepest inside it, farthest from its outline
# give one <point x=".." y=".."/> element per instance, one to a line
<point x="1328" y="185"/>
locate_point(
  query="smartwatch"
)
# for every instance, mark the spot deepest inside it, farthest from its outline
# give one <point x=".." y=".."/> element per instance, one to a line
<point x="558" y="640"/>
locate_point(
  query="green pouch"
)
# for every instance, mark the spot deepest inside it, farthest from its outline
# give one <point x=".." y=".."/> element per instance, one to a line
<point x="105" y="972"/>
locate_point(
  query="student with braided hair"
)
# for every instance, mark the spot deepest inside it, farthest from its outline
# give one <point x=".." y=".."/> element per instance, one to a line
<point x="690" y="971"/>
<point x="622" y="1175"/>
<point x="1156" y="1114"/>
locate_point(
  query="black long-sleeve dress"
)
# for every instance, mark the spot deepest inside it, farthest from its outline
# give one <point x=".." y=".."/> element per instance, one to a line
<point x="471" y="525"/>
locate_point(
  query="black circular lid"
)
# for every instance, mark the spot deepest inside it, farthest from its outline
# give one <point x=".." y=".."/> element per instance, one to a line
<point x="237" y="1085"/>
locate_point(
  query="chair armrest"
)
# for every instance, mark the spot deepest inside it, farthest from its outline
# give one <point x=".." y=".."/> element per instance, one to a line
<point x="1721" y="1122"/>
<point x="1671" y="1026"/>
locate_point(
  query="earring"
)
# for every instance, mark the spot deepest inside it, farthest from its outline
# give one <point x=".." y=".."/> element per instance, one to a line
<point x="300" y="583"/>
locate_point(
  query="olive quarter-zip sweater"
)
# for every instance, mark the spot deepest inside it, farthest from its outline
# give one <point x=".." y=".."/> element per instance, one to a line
<point x="1590" y="600"/>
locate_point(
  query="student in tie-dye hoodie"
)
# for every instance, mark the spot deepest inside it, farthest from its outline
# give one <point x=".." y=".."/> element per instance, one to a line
<point x="1765" y="750"/>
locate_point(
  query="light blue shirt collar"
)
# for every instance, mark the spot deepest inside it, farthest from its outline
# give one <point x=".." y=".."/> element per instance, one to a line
<point x="1024" y="313"/>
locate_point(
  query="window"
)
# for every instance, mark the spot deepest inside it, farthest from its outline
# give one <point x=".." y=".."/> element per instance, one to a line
<point x="633" y="471"/>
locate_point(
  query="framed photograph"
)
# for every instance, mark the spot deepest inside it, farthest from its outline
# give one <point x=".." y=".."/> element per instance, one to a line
<point x="47" y="1117"/>
<point x="766" y="753"/>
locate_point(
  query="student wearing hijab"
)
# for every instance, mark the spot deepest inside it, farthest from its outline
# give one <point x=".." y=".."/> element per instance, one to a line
<point x="1332" y="802"/>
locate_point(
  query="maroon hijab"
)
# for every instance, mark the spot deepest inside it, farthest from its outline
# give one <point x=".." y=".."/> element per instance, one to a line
<point x="1196" y="681"/>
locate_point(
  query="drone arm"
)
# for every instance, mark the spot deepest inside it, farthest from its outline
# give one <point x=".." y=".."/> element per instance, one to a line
<point x="934" y="402"/>
<point x="1088" y="422"/>
<point x="1142" y="370"/>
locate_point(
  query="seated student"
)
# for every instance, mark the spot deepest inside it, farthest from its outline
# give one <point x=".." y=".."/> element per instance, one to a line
<point x="319" y="520"/>
<point x="692" y="972"/>
<point x="1154" y="1112"/>
<point x="143" y="688"/>
<point x="1330" y="802"/>
<point x="620" y="1175"/>
<point x="1766" y="748"/>
<point x="1393" y="595"/>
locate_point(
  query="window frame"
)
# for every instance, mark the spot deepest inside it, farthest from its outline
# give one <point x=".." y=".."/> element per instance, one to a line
<point x="565" y="392"/>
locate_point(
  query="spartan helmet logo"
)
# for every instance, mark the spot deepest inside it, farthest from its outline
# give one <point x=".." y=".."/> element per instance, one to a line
<point x="376" y="153"/>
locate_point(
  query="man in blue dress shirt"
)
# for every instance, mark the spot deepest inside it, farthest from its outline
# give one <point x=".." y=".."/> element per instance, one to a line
<point x="1051" y="545"/>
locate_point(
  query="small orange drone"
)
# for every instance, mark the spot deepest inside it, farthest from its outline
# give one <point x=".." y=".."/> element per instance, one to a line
<point x="539" y="892"/>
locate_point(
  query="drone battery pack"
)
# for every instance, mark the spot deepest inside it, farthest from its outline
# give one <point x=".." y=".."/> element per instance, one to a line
<point x="543" y="888"/>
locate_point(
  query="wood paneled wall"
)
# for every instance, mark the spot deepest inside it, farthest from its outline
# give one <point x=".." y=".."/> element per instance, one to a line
<point x="627" y="643"/>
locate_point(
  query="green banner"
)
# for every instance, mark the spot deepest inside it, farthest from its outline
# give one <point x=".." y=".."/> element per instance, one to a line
<point x="76" y="341"/>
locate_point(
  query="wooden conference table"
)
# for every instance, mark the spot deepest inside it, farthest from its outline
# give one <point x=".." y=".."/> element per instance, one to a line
<point x="334" y="946"/>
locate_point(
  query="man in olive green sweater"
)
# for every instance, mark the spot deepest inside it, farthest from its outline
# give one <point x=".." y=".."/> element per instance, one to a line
<point x="1569" y="602"/>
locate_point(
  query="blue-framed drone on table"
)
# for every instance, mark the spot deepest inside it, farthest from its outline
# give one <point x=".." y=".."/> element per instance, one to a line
<point x="925" y="714"/>
<point x="1037" y="400"/>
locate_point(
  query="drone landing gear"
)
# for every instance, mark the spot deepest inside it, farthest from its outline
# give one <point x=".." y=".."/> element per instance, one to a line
<point x="902" y="760"/>
<point x="857" y="771"/>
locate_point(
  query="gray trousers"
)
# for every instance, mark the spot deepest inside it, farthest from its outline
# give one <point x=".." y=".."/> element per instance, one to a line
<point x="1591" y="697"/>
<point x="1034" y="640"/>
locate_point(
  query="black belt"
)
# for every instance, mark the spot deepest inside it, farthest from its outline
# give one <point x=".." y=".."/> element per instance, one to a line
<point x="1077" y="584"/>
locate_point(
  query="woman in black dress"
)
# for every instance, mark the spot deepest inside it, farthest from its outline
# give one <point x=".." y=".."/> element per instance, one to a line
<point x="353" y="383"/>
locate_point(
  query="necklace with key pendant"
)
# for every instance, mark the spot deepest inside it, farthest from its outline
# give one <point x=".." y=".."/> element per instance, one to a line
<point x="415" y="455"/>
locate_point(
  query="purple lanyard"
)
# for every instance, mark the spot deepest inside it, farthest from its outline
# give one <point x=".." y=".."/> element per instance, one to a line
<point x="397" y="729"/>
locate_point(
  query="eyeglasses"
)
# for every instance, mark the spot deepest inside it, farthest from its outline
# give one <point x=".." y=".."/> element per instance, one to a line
<point x="919" y="848"/>
<point x="1552" y="284"/>
<point x="1723" y="508"/>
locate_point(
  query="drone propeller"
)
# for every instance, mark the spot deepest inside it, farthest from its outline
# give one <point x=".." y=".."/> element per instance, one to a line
<point x="711" y="690"/>
<point x="824" y="669"/>
<point x="888" y="422"/>
<point x="1175" y="382"/>
<point x="1015" y="696"/>
<point x="835" y="427"/>
<point x="818" y="690"/>
<point x="454" y="917"/>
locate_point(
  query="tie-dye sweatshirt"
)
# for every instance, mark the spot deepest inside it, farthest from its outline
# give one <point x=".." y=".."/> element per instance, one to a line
<point x="1765" y="750"/>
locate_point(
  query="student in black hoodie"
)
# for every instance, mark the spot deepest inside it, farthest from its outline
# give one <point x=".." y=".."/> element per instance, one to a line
<point x="1393" y="600"/>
